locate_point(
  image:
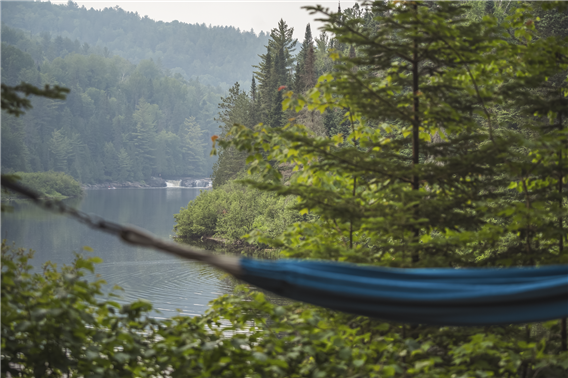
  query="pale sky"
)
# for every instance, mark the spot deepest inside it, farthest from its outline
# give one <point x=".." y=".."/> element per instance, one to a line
<point x="258" y="15"/>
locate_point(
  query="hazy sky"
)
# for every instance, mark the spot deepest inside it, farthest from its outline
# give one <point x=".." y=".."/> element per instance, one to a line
<point x="258" y="15"/>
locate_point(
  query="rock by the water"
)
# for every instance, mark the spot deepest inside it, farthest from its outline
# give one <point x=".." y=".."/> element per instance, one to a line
<point x="196" y="183"/>
<point x="157" y="182"/>
<point x="152" y="182"/>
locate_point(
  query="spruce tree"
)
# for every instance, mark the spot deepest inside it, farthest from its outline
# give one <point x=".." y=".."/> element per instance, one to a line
<point x="455" y="157"/>
<point x="254" y="112"/>
<point x="282" y="37"/>
<point x="278" y="78"/>
<point x="265" y="83"/>
<point x="305" y="69"/>
<point x="234" y="109"/>
<point x="309" y="74"/>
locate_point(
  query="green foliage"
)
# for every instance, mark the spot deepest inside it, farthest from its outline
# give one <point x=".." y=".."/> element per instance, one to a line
<point x="120" y="121"/>
<point x="364" y="186"/>
<point x="454" y="156"/>
<point x="13" y="103"/>
<point x="182" y="48"/>
<point x="236" y="107"/>
<point x="264" y="102"/>
<point x="231" y="211"/>
<point x="57" y="323"/>
<point x="52" y="184"/>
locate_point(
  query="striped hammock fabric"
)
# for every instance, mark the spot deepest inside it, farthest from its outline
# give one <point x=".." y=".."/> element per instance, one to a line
<point x="440" y="296"/>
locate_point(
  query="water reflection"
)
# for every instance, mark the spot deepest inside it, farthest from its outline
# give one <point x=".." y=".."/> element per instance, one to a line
<point x="169" y="282"/>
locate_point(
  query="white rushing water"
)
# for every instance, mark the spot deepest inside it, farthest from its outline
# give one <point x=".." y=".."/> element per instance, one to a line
<point x="173" y="183"/>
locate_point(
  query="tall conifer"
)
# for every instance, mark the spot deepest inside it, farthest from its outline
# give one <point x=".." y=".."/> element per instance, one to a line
<point x="265" y="85"/>
<point x="282" y="37"/>
<point x="488" y="192"/>
<point x="304" y="77"/>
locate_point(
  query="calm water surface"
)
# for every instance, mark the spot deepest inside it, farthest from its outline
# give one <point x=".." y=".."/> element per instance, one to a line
<point x="168" y="282"/>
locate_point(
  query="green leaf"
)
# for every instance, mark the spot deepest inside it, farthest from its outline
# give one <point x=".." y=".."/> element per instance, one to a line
<point x="344" y="353"/>
<point x="259" y="356"/>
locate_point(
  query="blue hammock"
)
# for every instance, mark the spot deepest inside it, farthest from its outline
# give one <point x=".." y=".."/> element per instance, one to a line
<point x="460" y="297"/>
<point x="457" y="297"/>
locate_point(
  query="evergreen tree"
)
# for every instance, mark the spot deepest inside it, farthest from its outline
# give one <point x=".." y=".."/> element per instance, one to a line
<point x="489" y="192"/>
<point x="281" y="38"/>
<point x="278" y="79"/>
<point x="266" y="84"/>
<point x="144" y="139"/>
<point x="254" y="112"/>
<point x="193" y="147"/>
<point x="308" y="73"/>
<point x="234" y="109"/>
<point x="301" y="72"/>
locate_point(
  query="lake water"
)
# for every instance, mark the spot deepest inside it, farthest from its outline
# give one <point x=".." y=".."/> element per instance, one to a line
<point x="169" y="282"/>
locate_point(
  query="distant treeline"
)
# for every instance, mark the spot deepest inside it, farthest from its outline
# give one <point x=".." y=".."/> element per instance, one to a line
<point x="217" y="55"/>
<point x="120" y="121"/>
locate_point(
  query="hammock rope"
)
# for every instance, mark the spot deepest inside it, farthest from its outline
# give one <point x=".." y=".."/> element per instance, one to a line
<point x="439" y="296"/>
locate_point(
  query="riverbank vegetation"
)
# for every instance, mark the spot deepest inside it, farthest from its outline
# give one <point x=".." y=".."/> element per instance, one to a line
<point x="233" y="210"/>
<point x="55" y="185"/>
<point x="449" y="150"/>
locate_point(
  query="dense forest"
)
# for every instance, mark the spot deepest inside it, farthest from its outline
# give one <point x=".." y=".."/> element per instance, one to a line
<point x="217" y="55"/>
<point x="284" y="66"/>
<point x="120" y="121"/>
<point x="412" y="135"/>
<point x="436" y="137"/>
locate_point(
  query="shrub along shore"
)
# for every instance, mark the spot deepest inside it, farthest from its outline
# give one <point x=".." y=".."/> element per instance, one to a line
<point x="54" y="185"/>
<point x="233" y="210"/>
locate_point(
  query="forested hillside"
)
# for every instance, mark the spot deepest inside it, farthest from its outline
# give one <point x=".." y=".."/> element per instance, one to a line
<point x="217" y="55"/>
<point x="436" y="139"/>
<point x="285" y="65"/>
<point x="121" y="121"/>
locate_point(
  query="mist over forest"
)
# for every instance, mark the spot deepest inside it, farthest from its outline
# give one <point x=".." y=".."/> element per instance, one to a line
<point x="399" y="180"/>
<point x="218" y="55"/>
<point x="143" y="97"/>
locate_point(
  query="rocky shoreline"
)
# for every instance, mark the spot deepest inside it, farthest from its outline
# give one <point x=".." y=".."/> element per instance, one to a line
<point x="153" y="182"/>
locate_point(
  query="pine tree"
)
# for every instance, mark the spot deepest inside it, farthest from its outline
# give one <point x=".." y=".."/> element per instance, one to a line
<point x="234" y="109"/>
<point x="254" y="112"/>
<point x="281" y="37"/>
<point x="309" y="74"/>
<point x="277" y="79"/>
<point x="266" y="86"/>
<point x="304" y="74"/>
<point x="488" y="192"/>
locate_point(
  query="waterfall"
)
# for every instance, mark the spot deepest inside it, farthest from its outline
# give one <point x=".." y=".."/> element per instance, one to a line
<point x="173" y="183"/>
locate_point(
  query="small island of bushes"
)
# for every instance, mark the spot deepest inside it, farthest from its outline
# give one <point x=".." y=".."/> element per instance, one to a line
<point x="53" y="185"/>
<point x="234" y="210"/>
